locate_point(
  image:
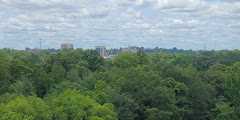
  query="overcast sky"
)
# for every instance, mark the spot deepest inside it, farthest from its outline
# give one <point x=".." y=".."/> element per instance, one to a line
<point x="185" y="24"/>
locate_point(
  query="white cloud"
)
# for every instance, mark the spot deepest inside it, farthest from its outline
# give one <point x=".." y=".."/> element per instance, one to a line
<point x="136" y="25"/>
<point x="225" y="10"/>
<point x="154" y="31"/>
<point x="131" y="13"/>
<point x="177" y="21"/>
<point x="149" y="23"/>
<point x="177" y="5"/>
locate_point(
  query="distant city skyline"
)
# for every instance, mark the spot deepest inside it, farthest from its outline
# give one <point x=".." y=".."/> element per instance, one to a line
<point x="185" y="24"/>
<point x="204" y="47"/>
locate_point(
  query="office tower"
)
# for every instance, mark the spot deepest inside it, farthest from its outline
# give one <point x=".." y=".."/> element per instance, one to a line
<point x="27" y="49"/>
<point x="101" y="50"/>
<point x="66" y="46"/>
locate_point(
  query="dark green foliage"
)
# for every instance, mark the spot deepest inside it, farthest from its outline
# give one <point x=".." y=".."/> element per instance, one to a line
<point x="124" y="104"/>
<point x="94" y="60"/>
<point x="80" y="84"/>
<point x="226" y="112"/>
<point x="18" y="69"/>
<point x="41" y="81"/>
<point x="73" y="76"/>
<point x="201" y="62"/>
<point x="126" y="60"/>
<point x="4" y="75"/>
<point x="58" y="73"/>
<point x="60" y="88"/>
<point x="23" y="86"/>
<point x="143" y="58"/>
<point x="24" y="108"/>
<point x="71" y="105"/>
<point x="98" y="94"/>
<point x="155" y="114"/>
<point x="232" y="86"/>
<point x="60" y="58"/>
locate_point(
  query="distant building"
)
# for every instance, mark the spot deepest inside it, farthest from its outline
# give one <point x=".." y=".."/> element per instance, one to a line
<point x="101" y="50"/>
<point x="35" y="49"/>
<point x="53" y="50"/>
<point x="66" y="46"/>
<point x="27" y="49"/>
<point x="132" y="49"/>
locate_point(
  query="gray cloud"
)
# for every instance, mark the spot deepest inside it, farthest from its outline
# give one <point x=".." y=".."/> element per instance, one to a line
<point x="184" y="24"/>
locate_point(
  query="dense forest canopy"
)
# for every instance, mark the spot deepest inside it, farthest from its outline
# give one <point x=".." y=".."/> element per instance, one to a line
<point x="82" y="85"/>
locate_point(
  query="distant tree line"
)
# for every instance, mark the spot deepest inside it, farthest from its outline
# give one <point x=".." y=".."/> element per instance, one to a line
<point x="117" y="51"/>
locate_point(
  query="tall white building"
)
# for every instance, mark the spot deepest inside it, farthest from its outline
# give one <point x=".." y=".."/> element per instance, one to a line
<point x="66" y="46"/>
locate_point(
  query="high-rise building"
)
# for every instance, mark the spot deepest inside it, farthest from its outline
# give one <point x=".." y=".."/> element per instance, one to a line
<point x="35" y="49"/>
<point x="66" y="46"/>
<point x="101" y="50"/>
<point x="27" y="49"/>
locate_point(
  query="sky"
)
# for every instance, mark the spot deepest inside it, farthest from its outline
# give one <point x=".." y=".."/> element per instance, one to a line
<point x="185" y="24"/>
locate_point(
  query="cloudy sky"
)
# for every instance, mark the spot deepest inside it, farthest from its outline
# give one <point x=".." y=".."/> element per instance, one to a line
<point x="185" y="24"/>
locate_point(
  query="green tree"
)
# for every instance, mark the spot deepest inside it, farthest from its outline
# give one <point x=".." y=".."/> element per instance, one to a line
<point x="126" y="60"/>
<point x="143" y="58"/>
<point x="181" y="91"/>
<point x="42" y="81"/>
<point x="72" y="105"/>
<point x="18" y="69"/>
<point x="98" y="94"/>
<point x="232" y="84"/>
<point x="4" y="76"/>
<point x="155" y="114"/>
<point x="226" y="112"/>
<point x="26" y="108"/>
<point x="124" y="104"/>
<point x="94" y="60"/>
<point x="58" y="73"/>
<point x="181" y="60"/>
<point x="72" y="75"/>
<point x="23" y="86"/>
<point x="60" y="88"/>
<point x="144" y="88"/>
<point x="62" y="59"/>
<point x="78" y="71"/>
<point x="201" y="62"/>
